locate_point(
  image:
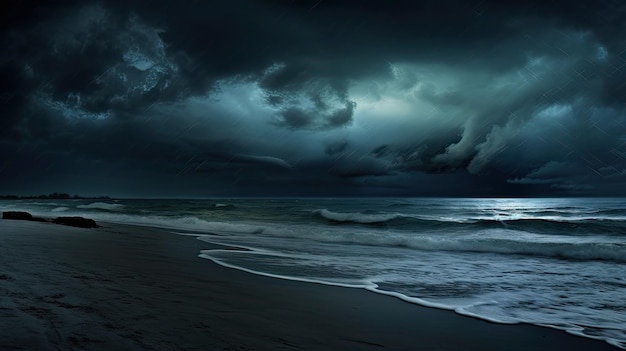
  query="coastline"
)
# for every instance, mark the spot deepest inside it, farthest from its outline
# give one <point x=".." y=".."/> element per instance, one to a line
<point x="133" y="287"/>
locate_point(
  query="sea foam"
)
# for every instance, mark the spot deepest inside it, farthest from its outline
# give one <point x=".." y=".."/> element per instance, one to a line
<point x="356" y="217"/>
<point x="102" y="206"/>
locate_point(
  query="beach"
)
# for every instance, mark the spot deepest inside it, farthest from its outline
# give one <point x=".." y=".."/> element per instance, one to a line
<point x="123" y="287"/>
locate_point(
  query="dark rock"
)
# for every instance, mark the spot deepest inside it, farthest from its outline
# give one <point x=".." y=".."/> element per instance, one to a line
<point x="76" y="222"/>
<point x="17" y="215"/>
<point x="71" y="221"/>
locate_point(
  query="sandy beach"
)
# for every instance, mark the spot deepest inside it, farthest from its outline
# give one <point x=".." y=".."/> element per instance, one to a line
<point x="122" y="287"/>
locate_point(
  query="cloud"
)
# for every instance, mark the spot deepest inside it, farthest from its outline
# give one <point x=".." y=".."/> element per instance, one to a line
<point x="546" y="108"/>
<point x="86" y="64"/>
<point x="568" y="176"/>
<point x="334" y="148"/>
<point x="363" y="167"/>
<point x="551" y="172"/>
<point x="268" y="160"/>
<point x="504" y="97"/>
<point x="305" y="98"/>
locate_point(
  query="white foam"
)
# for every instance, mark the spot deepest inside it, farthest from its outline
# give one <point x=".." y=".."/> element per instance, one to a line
<point x="59" y="209"/>
<point x="357" y="217"/>
<point x="368" y="284"/>
<point x="190" y="223"/>
<point x="490" y="307"/>
<point x="502" y="241"/>
<point x="102" y="206"/>
<point x="207" y="254"/>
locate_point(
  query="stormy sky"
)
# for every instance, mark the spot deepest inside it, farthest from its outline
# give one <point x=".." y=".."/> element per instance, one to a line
<point x="313" y="98"/>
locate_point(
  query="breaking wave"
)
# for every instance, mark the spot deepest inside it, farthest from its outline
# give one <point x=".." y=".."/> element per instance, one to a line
<point x="498" y="241"/>
<point x="352" y="217"/>
<point x="555" y="225"/>
<point x="102" y="206"/>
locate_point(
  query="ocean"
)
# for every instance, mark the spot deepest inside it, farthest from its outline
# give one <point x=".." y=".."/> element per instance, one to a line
<point x="554" y="262"/>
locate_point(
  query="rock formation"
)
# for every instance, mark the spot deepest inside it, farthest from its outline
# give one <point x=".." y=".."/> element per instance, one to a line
<point x="71" y="221"/>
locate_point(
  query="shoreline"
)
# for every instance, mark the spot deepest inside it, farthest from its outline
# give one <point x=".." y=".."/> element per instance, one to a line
<point x="133" y="287"/>
<point x="371" y="287"/>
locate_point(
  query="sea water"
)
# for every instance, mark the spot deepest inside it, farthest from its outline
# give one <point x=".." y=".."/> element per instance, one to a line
<point x="556" y="262"/>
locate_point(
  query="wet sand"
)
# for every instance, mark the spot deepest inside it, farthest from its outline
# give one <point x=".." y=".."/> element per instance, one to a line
<point x="122" y="287"/>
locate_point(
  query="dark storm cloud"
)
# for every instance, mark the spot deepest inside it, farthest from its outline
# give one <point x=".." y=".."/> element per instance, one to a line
<point x="553" y="173"/>
<point x="308" y="96"/>
<point x="266" y="160"/>
<point x="335" y="147"/>
<point x="294" y="95"/>
<point x="504" y="118"/>
<point x="363" y="166"/>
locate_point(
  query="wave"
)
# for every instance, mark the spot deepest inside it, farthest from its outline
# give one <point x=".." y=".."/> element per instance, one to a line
<point x="486" y="236"/>
<point x="580" y="225"/>
<point x="608" y="251"/>
<point x="220" y="205"/>
<point x="400" y="204"/>
<point x="612" y="211"/>
<point x="184" y="223"/>
<point x="102" y="206"/>
<point x="59" y="209"/>
<point x="577" y="211"/>
<point x="578" y="322"/>
<point x="496" y="242"/>
<point x="549" y="224"/>
<point x="363" y="218"/>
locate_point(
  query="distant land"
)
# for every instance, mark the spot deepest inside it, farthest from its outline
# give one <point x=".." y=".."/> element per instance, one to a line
<point x="53" y="196"/>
